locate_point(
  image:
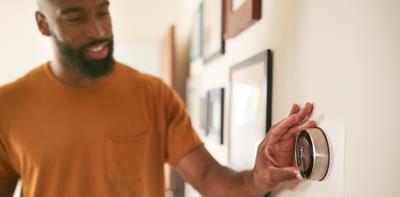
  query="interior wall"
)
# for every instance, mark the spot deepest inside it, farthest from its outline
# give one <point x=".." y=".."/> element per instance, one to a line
<point x="341" y="55"/>
<point x="23" y="47"/>
<point x="144" y="57"/>
<point x="143" y="21"/>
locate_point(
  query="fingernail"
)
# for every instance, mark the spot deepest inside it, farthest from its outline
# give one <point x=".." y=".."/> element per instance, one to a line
<point x="298" y="176"/>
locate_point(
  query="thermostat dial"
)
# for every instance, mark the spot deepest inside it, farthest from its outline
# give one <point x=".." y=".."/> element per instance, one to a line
<point x="312" y="154"/>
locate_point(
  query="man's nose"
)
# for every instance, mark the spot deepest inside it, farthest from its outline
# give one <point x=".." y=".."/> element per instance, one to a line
<point x="95" y="30"/>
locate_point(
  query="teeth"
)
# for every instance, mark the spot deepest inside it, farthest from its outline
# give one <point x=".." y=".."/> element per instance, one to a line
<point x="97" y="49"/>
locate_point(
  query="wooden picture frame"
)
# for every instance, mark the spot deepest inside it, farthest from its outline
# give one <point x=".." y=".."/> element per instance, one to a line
<point x="215" y="115"/>
<point x="213" y="29"/>
<point x="250" y="108"/>
<point x="167" y="68"/>
<point x="240" y="14"/>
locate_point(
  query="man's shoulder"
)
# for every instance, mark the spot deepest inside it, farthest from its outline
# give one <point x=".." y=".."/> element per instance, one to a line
<point x="21" y="84"/>
<point x="17" y="92"/>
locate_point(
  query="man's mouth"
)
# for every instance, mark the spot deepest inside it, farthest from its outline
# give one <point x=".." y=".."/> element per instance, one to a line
<point x="97" y="52"/>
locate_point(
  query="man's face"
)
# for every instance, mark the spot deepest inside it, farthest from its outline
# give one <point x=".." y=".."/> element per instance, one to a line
<point x="82" y="33"/>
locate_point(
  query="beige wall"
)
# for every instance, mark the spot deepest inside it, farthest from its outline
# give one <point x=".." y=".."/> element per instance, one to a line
<point x="21" y="45"/>
<point x="143" y="20"/>
<point x="342" y="55"/>
<point x="138" y="27"/>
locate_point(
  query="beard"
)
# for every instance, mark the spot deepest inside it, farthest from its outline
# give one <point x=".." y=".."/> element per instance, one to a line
<point x="76" y="59"/>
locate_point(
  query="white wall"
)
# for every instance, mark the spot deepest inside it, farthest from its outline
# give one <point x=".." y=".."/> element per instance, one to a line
<point x="141" y="56"/>
<point x="342" y="55"/>
<point x="23" y="47"/>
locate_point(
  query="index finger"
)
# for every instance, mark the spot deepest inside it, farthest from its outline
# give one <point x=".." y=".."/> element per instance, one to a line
<point x="277" y="132"/>
<point x="295" y="108"/>
<point x="305" y="111"/>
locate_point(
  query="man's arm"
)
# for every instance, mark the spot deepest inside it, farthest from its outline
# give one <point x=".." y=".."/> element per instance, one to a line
<point x="210" y="178"/>
<point x="274" y="163"/>
<point x="7" y="186"/>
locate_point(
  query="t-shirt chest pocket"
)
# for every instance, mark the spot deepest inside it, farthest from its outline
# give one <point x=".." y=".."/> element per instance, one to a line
<point x="126" y="155"/>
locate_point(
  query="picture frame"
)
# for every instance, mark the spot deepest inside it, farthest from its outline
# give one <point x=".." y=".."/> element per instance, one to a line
<point x="196" y="35"/>
<point x="250" y="108"/>
<point x="167" y="66"/>
<point x="215" y="115"/>
<point x="241" y="14"/>
<point x="213" y="29"/>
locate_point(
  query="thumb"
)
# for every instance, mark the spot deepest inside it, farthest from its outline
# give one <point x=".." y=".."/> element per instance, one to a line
<point x="279" y="175"/>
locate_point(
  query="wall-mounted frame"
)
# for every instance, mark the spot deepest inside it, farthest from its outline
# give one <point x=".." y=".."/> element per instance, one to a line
<point x="167" y="66"/>
<point x="196" y="35"/>
<point x="240" y="14"/>
<point x="213" y="29"/>
<point x="215" y="115"/>
<point x="250" y="108"/>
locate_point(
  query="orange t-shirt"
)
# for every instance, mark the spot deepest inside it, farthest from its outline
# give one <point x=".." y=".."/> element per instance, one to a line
<point x="111" y="139"/>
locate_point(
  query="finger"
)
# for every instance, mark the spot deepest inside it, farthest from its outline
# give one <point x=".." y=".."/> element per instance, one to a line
<point x="295" y="109"/>
<point x="277" y="132"/>
<point x="294" y="130"/>
<point x="279" y="175"/>
<point x="305" y="111"/>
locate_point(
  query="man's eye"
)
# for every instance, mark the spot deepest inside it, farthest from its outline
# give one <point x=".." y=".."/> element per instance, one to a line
<point x="75" y="19"/>
<point x="103" y="13"/>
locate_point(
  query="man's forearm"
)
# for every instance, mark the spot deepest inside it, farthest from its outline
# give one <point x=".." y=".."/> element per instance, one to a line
<point x="222" y="181"/>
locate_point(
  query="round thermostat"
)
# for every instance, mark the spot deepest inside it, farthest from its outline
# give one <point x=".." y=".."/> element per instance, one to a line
<point x="312" y="154"/>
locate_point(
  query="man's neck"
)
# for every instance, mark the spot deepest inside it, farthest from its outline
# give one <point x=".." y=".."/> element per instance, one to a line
<point x="67" y="75"/>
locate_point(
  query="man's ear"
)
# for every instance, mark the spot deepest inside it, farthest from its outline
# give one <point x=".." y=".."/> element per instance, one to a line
<point x="42" y="24"/>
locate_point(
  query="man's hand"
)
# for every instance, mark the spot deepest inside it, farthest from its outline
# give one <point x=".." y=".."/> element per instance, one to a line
<point x="274" y="162"/>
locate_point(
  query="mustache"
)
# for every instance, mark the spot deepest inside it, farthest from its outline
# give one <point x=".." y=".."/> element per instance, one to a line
<point x="95" y="42"/>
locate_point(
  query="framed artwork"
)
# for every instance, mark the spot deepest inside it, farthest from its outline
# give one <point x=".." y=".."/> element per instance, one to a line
<point x="213" y="29"/>
<point x="196" y="35"/>
<point x="215" y="116"/>
<point x="240" y="14"/>
<point x="167" y="70"/>
<point x="250" y="108"/>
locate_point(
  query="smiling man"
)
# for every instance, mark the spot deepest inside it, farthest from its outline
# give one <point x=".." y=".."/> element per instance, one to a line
<point x="83" y="124"/>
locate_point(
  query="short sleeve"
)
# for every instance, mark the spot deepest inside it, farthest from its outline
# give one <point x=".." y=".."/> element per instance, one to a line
<point x="181" y="138"/>
<point x="6" y="169"/>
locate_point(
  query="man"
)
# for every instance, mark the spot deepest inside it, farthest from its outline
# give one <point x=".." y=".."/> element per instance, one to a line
<point x="85" y="125"/>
